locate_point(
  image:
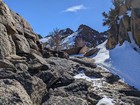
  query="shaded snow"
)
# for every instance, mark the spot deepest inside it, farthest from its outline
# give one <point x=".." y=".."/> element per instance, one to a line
<point x="105" y="101"/>
<point x="133" y="43"/>
<point x="127" y="61"/>
<point x="129" y="13"/>
<point x="96" y="82"/>
<point x="103" y="54"/>
<point x="70" y="39"/>
<point x="120" y="17"/>
<point x="77" y="55"/>
<point x="122" y="60"/>
<point x="44" y="40"/>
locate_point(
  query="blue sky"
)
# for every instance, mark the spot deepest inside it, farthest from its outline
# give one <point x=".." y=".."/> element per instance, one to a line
<point x="46" y="15"/>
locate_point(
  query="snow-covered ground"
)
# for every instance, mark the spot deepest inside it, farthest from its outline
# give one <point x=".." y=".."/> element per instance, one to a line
<point x="44" y="40"/>
<point x="103" y="54"/>
<point x="76" y="55"/>
<point x="122" y="60"/>
<point x="70" y="39"/>
<point x="98" y="82"/>
<point x="105" y="101"/>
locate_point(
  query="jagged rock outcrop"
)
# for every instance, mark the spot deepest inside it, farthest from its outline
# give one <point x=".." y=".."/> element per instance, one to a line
<point x="17" y="37"/>
<point x="12" y="92"/>
<point x="124" y="27"/>
<point x="90" y="35"/>
<point x="135" y="21"/>
<point x="30" y="75"/>
<point x="127" y="24"/>
<point x="66" y="32"/>
<point x="7" y="45"/>
<point x="65" y="101"/>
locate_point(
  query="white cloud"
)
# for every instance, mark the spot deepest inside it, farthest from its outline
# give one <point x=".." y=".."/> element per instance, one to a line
<point x="75" y="8"/>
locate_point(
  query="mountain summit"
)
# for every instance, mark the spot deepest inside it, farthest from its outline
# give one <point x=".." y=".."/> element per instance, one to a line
<point x="84" y="33"/>
<point x="90" y="35"/>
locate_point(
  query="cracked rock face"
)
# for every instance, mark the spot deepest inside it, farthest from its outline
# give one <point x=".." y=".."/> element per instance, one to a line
<point x="12" y="92"/>
<point x="16" y="34"/>
<point x="128" y="22"/>
<point x="7" y="45"/>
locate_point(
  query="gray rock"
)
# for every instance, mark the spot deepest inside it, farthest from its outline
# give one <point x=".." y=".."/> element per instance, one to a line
<point x="50" y="53"/>
<point x="6" y="64"/>
<point x="32" y="44"/>
<point x="34" y="86"/>
<point x="71" y="100"/>
<point x="84" y="62"/>
<point x="41" y="60"/>
<point x="130" y="100"/>
<point x="48" y="77"/>
<point x="92" y="73"/>
<point x="64" y="68"/>
<point x="7" y="45"/>
<point x="78" y="88"/>
<point x="7" y="19"/>
<point x="21" y="66"/>
<point x="22" y="45"/>
<point x="6" y="73"/>
<point x="112" y="78"/>
<point x="13" y="93"/>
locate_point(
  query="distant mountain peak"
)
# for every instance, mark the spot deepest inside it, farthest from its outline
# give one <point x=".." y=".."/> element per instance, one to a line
<point x="66" y="31"/>
<point x="86" y="28"/>
<point x="84" y="33"/>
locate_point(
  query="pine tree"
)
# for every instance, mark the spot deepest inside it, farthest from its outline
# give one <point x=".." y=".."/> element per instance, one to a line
<point x="111" y="17"/>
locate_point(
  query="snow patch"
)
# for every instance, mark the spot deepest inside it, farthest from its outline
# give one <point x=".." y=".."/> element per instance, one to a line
<point x="127" y="61"/>
<point x="103" y="53"/>
<point x="70" y="39"/>
<point x="122" y="60"/>
<point x="105" y="101"/>
<point x="44" y="40"/>
<point x="129" y="13"/>
<point x="97" y="82"/>
<point x="77" y="55"/>
<point x="120" y="17"/>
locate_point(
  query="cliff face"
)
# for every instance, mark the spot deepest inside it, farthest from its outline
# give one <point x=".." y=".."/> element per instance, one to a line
<point x="91" y="36"/>
<point x="16" y="35"/>
<point x="135" y="21"/>
<point x="127" y="23"/>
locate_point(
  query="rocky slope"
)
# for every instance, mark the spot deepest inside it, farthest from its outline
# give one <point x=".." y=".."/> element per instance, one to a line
<point x="30" y="75"/>
<point x="127" y="24"/>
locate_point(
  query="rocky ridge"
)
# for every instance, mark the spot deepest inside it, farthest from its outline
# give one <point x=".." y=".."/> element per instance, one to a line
<point x="126" y="26"/>
<point x="66" y="32"/>
<point x="30" y="75"/>
<point x="84" y="33"/>
<point x="91" y="36"/>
